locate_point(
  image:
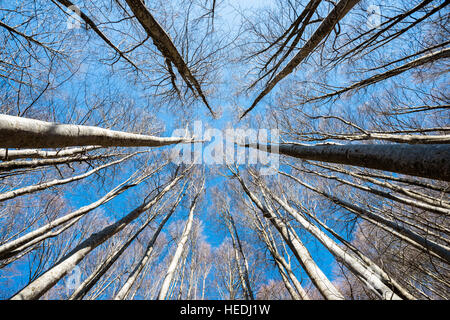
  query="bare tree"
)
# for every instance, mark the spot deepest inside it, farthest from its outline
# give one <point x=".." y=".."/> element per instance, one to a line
<point x="180" y="246"/>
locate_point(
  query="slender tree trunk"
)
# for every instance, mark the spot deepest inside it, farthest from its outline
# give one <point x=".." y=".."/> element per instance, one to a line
<point x="139" y="285"/>
<point x="283" y="267"/>
<point x="15" y="246"/>
<point x="178" y="252"/>
<point x="190" y="282"/>
<point x="318" y="278"/>
<point x="237" y="246"/>
<point x="24" y="249"/>
<point x="293" y="293"/>
<point x="292" y="31"/>
<point x="204" y="286"/>
<point x="423" y="244"/>
<point x="244" y="258"/>
<point x="166" y="46"/>
<point x="409" y="181"/>
<point x="42" y="154"/>
<point x="125" y="289"/>
<point x="93" y="26"/>
<point x="18" y="164"/>
<point x="387" y="195"/>
<point x="442" y="54"/>
<point x="101" y="269"/>
<point x="42" y="186"/>
<point x="324" y="29"/>
<point x="323" y="284"/>
<point x="357" y="266"/>
<point x="41" y="285"/>
<point x="405" y="191"/>
<point x="388" y="279"/>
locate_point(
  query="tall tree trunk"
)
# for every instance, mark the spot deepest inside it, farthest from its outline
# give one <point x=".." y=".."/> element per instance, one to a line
<point x="43" y="154"/>
<point x="239" y="252"/>
<point x="292" y="292"/>
<point x="442" y="54"/>
<point x="423" y="244"/>
<point x="41" y="285"/>
<point x="17" y="132"/>
<point x="427" y="161"/>
<point x="420" y="196"/>
<point x="45" y="185"/>
<point x="382" y="287"/>
<point x="93" y="26"/>
<point x="166" y="46"/>
<point x="283" y="267"/>
<point x="90" y="281"/>
<point x="36" y="163"/>
<point x="15" y="246"/>
<point x="180" y="248"/>
<point x="387" y="195"/>
<point x="125" y="289"/>
<point x="318" y="278"/>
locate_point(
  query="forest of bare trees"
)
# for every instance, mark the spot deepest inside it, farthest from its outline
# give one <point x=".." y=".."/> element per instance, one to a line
<point x="353" y="203"/>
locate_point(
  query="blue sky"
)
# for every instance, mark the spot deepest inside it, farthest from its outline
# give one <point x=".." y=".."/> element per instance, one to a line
<point x="78" y="196"/>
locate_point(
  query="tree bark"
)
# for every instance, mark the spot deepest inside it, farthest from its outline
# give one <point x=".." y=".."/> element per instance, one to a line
<point x="17" y="132"/>
<point x="267" y="237"/>
<point x="237" y="246"/>
<point x="42" y="186"/>
<point x="318" y="278"/>
<point x="41" y="285"/>
<point x="42" y="154"/>
<point x="166" y="46"/>
<point x="178" y="252"/>
<point x="15" y="246"/>
<point x="123" y="292"/>
<point x="428" y="161"/>
<point x="423" y="244"/>
<point x="82" y="15"/>
<point x="36" y="163"/>
<point x="324" y="29"/>
<point x="442" y="54"/>
<point x="101" y="269"/>
<point x="418" y="203"/>
<point x="381" y="287"/>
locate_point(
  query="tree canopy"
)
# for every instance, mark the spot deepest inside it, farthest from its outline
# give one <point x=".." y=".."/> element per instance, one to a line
<point x="219" y="149"/>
